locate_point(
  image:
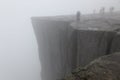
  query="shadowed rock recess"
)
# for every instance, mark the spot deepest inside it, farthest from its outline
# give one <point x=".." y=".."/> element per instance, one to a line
<point x="65" y="43"/>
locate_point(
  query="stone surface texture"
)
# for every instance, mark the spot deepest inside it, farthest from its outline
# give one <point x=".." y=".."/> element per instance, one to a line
<point x="104" y="68"/>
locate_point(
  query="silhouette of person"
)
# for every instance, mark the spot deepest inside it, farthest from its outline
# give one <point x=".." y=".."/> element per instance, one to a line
<point x="111" y="9"/>
<point x="78" y="15"/>
<point x="102" y="10"/>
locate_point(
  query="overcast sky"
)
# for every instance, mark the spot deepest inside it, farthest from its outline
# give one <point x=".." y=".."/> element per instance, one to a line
<point x="18" y="47"/>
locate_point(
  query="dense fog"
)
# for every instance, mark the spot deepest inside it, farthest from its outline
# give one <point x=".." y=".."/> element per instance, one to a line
<point x="19" y="58"/>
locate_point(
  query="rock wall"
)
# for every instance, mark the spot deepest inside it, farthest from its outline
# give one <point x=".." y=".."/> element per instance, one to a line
<point x="115" y="46"/>
<point x="57" y="48"/>
<point x="93" y="44"/>
<point x="62" y="47"/>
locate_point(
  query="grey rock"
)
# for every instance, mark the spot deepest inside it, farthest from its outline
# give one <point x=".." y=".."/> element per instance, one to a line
<point x="103" y="68"/>
<point x="115" y="46"/>
<point x="62" y="47"/>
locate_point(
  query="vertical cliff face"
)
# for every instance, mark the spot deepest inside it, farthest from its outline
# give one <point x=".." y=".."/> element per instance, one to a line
<point x="57" y="48"/>
<point x="64" y="46"/>
<point x="95" y="38"/>
<point x="115" y="46"/>
<point x="93" y="44"/>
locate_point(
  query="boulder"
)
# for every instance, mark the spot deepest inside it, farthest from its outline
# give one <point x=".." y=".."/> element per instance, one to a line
<point x="104" y="68"/>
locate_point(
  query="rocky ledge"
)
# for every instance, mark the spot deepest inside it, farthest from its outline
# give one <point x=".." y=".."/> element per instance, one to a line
<point x="104" y="68"/>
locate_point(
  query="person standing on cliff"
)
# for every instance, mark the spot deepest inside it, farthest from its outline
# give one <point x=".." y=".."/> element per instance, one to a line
<point x="112" y="9"/>
<point x="102" y="11"/>
<point x="78" y="18"/>
<point x="78" y="15"/>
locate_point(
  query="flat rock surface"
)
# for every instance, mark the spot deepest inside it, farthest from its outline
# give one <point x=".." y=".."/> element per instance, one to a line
<point x="99" y="24"/>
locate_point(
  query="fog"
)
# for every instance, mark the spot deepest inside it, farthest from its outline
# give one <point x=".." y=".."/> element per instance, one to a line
<point x="18" y="47"/>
